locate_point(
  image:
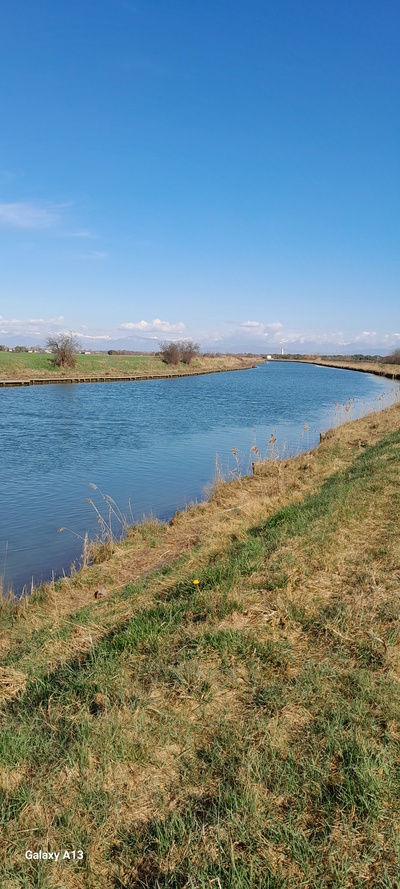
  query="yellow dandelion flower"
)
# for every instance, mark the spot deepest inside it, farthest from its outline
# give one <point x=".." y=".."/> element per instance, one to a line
<point x="196" y="581"/>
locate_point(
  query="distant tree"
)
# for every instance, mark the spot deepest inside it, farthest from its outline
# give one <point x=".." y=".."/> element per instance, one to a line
<point x="189" y="350"/>
<point x="393" y="358"/>
<point x="170" y="352"/>
<point x="3" y="348"/>
<point x="64" y="349"/>
<point x="20" y="349"/>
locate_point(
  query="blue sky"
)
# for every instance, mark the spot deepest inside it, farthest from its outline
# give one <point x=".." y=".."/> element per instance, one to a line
<point x="227" y="171"/>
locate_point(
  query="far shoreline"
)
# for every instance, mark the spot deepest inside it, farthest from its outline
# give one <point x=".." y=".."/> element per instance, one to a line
<point x="5" y="384"/>
<point x="206" y="365"/>
<point x="371" y="367"/>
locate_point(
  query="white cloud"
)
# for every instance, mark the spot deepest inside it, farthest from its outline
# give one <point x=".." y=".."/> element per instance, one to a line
<point x="276" y="325"/>
<point x="259" y="336"/>
<point x="245" y="336"/>
<point x="259" y="329"/>
<point x="31" y="326"/>
<point x="27" y="214"/>
<point x="155" y="326"/>
<point x="89" y="336"/>
<point x="251" y="324"/>
<point x="44" y="327"/>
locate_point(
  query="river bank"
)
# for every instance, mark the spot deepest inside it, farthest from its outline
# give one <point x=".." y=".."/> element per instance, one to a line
<point x="29" y="369"/>
<point x="218" y="699"/>
<point x="391" y="371"/>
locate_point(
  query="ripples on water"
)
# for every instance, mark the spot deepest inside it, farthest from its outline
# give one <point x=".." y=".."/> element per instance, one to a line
<point x="150" y="444"/>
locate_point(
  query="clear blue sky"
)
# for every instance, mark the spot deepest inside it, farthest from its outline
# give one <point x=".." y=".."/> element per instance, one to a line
<point x="222" y="170"/>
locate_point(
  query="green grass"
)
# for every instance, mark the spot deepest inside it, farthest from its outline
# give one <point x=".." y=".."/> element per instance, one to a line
<point x="11" y="363"/>
<point x="241" y="733"/>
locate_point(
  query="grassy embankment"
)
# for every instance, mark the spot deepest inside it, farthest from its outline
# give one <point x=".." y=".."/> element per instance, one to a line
<point x="238" y="732"/>
<point x="24" y="366"/>
<point x="381" y="369"/>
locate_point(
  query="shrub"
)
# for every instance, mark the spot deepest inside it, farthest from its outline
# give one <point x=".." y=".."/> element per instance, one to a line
<point x="189" y="350"/>
<point x="170" y="353"/>
<point x="174" y="352"/>
<point x="64" y="350"/>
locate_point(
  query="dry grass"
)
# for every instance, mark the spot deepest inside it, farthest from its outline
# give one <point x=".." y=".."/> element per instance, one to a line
<point x="383" y="370"/>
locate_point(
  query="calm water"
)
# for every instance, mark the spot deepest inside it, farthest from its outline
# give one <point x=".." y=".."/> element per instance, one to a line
<point x="152" y="445"/>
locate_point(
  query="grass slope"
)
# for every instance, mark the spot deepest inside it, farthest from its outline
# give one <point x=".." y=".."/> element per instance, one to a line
<point x="23" y="365"/>
<point x="242" y="731"/>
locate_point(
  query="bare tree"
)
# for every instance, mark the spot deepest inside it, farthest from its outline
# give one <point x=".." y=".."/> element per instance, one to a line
<point x="393" y="358"/>
<point x="64" y="349"/>
<point x="170" y="352"/>
<point x="189" y="351"/>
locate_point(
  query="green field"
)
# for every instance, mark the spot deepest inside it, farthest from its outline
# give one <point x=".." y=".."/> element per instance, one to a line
<point x="25" y="364"/>
<point x="228" y="715"/>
